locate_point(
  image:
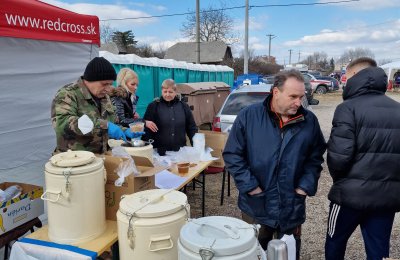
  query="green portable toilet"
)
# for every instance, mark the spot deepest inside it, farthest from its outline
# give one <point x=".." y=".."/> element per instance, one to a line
<point x="192" y="72"/>
<point x="228" y="75"/>
<point x="212" y="73"/>
<point x="199" y="72"/>
<point x="206" y="73"/>
<point x="219" y="74"/>
<point x="180" y="71"/>
<point x="163" y="69"/>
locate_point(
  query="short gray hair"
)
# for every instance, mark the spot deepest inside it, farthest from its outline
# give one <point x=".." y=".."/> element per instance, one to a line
<point x="169" y="83"/>
<point x="284" y="75"/>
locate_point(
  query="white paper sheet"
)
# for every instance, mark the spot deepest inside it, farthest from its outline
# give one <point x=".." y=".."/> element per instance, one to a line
<point x="167" y="180"/>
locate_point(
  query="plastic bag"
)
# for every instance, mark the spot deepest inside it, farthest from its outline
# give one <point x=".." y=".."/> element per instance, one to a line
<point x="126" y="167"/>
<point x="10" y="193"/>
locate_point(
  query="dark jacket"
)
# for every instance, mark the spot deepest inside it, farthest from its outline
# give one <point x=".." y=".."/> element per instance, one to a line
<point x="124" y="108"/>
<point x="364" y="146"/>
<point x="174" y="120"/>
<point x="258" y="154"/>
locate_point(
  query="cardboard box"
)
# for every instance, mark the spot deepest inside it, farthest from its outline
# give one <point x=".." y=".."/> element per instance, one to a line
<point x="22" y="209"/>
<point x="132" y="184"/>
<point x="217" y="141"/>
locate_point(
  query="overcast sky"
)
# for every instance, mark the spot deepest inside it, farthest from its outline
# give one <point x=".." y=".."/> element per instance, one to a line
<point x="332" y="28"/>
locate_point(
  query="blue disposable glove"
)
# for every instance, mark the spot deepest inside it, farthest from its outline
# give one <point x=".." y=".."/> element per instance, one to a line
<point x="115" y="132"/>
<point x="133" y="135"/>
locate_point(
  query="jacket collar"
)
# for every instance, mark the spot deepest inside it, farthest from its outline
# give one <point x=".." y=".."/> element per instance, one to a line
<point x="368" y="80"/>
<point x="298" y="117"/>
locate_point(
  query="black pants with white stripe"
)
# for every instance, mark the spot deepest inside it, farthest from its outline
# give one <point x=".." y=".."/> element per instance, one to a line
<point x="376" y="227"/>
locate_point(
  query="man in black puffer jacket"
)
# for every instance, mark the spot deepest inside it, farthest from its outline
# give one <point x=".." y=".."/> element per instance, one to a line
<point x="364" y="162"/>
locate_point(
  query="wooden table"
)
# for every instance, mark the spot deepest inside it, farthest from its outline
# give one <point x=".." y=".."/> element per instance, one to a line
<point x="99" y="245"/>
<point x="191" y="176"/>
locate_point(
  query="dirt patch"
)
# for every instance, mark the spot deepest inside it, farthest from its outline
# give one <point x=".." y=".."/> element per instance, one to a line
<point x="314" y="228"/>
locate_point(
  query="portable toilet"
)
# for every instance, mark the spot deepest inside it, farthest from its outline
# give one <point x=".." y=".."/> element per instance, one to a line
<point x="180" y="71"/>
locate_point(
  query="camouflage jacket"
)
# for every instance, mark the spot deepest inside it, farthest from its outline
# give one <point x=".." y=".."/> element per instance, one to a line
<point x="70" y="103"/>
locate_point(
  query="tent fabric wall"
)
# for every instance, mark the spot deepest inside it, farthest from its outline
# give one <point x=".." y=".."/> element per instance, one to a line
<point x="31" y="73"/>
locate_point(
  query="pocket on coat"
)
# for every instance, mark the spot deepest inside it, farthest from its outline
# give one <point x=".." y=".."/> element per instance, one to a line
<point x="299" y="206"/>
<point x="256" y="203"/>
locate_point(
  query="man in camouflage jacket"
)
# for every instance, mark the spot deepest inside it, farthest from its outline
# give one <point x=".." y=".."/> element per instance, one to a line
<point x="88" y="96"/>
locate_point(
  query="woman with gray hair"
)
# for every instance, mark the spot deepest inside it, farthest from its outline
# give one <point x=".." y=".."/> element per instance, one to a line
<point x="173" y="119"/>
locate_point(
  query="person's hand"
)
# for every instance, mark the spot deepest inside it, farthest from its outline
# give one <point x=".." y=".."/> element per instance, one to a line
<point x="115" y="132"/>
<point x="255" y="191"/>
<point x="151" y="125"/>
<point x="132" y="135"/>
<point x="136" y="115"/>
<point x="300" y="192"/>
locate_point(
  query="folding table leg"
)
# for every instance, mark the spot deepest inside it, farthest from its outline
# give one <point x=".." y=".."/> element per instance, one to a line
<point x="223" y="186"/>
<point x="203" y="204"/>
<point x="229" y="183"/>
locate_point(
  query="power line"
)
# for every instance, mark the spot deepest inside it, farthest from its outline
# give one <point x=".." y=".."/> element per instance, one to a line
<point x="230" y="8"/>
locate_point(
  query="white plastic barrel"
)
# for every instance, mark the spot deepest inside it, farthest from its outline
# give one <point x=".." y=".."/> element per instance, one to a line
<point x="75" y="197"/>
<point x="149" y="223"/>
<point x="219" y="238"/>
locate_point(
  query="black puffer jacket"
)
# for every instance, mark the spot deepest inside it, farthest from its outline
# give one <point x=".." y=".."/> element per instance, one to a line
<point x="174" y="120"/>
<point x="121" y="100"/>
<point x="364" y="146"/>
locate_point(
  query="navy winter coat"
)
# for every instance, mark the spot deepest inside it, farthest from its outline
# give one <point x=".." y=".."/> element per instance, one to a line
<point x="174" y="120"/>
<point x="256" y="154"/>
<point x="364" y="146"/>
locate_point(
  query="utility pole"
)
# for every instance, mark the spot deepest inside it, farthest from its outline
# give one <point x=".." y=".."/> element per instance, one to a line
<point x="299" y="58"/>
<point x="290" y="56"/>
<point x="198" y="31"/>
<point x="246" y="40"/>
<point x="271" y="36"/>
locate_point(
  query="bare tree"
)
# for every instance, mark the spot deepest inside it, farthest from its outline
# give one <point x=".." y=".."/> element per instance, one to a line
<point x="352" y="54"/>
<point x="106" y="32"/>
<point x="215" y="25"/>
<point x="317" y="61"/>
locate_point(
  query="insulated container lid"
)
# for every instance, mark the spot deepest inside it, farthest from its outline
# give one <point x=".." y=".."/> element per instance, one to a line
<point x="153" y="203"/>
<point x="223" y="235"/>
<point x="76" y="162"/>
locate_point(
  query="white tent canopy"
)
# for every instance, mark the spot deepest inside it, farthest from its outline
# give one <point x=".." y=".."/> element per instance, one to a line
<point x="391" y="69"/>
<point x="35" y="62"/>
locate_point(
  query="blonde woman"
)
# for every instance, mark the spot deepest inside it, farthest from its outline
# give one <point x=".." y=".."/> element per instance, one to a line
<point x="125" y="100"/>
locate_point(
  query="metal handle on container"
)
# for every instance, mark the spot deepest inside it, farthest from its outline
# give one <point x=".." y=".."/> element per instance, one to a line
<point x="158" y="239"/>
<point x="226" y="229"/>
<point x="43" y="197"/>
<point x="206" y="254"/>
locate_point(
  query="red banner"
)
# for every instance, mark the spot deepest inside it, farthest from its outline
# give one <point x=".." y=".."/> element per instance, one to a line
<point x="33" y="19"/>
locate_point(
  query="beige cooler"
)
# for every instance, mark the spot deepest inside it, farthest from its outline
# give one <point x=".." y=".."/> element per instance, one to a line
<point x="149" y="223"/>
<point x="219" y="238"/>
<point x="75" y="197"/>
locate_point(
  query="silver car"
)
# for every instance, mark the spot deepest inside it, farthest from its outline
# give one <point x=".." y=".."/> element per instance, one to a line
<point x="239" y="98"/>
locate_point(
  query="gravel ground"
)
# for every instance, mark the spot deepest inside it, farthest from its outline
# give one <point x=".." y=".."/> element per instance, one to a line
<point x="314" y="228"/>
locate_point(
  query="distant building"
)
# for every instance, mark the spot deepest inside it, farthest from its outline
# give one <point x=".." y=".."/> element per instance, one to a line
<point x="210" y="52"/>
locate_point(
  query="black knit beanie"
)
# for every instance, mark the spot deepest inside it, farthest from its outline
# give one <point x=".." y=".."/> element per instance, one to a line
<point x="99" y="69"/>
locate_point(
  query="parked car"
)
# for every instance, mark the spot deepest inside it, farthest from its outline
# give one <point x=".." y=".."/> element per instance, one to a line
<point x="320" y="86"/>
<point x="240" y="98"/>
<point x="309" y="89"/>
<point x="335" y="82"/>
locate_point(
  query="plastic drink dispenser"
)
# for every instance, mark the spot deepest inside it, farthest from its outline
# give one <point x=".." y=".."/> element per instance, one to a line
<point x="149" y="223"/>
<point x="75" y="197"/>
